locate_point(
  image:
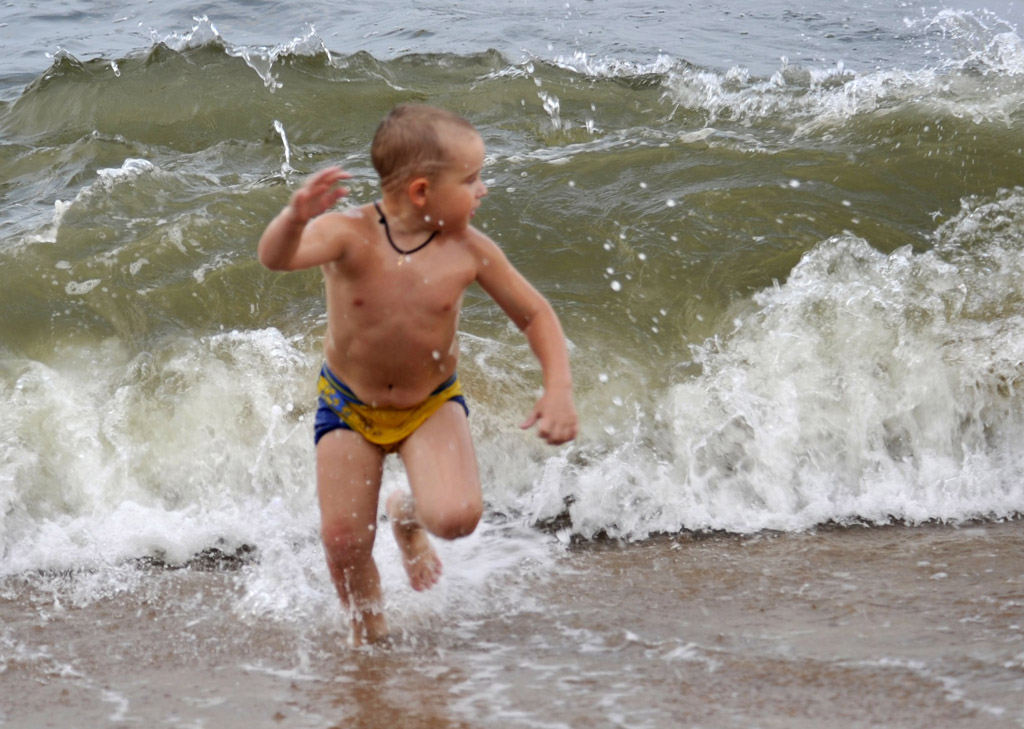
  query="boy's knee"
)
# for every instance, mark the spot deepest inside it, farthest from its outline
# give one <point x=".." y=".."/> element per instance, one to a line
<point x="455" y="522"/>
<point x="345" y="544"/>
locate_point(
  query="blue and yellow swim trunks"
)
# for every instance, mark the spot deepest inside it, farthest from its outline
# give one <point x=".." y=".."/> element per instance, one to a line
<point x="338" y="407"/>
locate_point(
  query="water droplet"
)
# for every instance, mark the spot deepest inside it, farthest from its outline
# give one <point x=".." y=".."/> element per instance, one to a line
<point x="616" y="286"/>
<point x="436" y="355"/>
<point x="602" y="377"/>
<point x="670" y="202"/>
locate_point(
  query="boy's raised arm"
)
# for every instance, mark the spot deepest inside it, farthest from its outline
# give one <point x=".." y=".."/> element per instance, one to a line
<point x="279" y="248"/>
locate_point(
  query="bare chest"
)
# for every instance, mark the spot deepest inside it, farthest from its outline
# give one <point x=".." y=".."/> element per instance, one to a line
<point x="426" y="284"/>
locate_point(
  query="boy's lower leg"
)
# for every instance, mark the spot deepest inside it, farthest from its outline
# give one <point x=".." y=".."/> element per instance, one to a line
<point x="419" y="558"/>
<point x="359" y="589"/>
<point x="348" y="484"/>
<point x="445" y="500"/>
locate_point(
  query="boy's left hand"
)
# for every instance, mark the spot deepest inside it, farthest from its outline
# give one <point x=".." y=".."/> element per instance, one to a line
<point x="555" y="417"/>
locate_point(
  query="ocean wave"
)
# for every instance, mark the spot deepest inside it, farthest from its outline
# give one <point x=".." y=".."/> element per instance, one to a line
<point x="980" y="82"/>
<point x="872" y="384"/>
<point x="867" y="388"/>
<point x="983" y="41"/>
<point x="136" y="451"/>
<point x="825" y="101"/>
<point x="260" y="59"/>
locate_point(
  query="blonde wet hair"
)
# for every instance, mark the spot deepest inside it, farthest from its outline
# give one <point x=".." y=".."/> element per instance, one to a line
<point x="409" y="142"/>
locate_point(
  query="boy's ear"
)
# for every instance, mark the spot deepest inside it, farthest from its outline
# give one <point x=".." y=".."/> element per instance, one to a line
<point x="418" y="191"/>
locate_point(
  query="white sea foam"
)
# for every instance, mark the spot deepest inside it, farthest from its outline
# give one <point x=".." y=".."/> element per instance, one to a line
<point x="980" y="82"/>
<point x="113" y="456"/>
<point x="867" y="387"/>
<point x="588" y="65"/>
<point x="202" y="444"/>
<point x="260" y="58"/>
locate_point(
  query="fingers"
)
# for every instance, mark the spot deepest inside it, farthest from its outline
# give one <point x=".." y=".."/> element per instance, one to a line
<point x="322" y="184"/>
<point x="558" y="435"/>
<point x="319" y="193"/>
<point x="551" y="433"/>
<point x="528" y="423"/>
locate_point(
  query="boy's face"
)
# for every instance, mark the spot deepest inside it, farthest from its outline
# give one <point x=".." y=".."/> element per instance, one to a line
<point x="457" y="190"/>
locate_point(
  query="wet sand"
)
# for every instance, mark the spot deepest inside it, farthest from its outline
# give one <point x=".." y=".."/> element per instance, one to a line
<point x="843" y="627"/>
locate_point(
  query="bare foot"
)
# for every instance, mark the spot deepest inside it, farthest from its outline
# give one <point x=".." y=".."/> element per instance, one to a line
<point x="421" y="562"/>
<point x="368" y="626"/>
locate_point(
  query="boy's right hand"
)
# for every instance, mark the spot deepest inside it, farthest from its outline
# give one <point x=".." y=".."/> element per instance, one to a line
<point x="318" y="194"/>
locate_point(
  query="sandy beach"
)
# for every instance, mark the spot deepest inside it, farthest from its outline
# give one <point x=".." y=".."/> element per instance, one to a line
<point x="843" y="627"/>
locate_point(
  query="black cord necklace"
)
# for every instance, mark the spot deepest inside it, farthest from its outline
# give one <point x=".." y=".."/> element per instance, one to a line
<point x="387" y="232"/>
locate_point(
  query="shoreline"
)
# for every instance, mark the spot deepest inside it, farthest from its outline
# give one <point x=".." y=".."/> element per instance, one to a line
<point x="775" y="631"/>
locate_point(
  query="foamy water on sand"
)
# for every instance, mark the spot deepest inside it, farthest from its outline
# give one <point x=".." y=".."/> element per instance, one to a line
<point x="778" y="630"/>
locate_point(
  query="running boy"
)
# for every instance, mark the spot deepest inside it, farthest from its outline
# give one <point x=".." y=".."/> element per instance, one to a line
<point x="395" y="273"/>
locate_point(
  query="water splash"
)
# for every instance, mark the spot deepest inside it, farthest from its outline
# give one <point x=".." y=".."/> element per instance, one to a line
<point x="286" y="166"/>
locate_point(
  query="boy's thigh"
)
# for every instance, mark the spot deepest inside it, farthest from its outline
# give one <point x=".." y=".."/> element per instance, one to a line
<point x="348" y="476"/>
<point x="440" y="460"/>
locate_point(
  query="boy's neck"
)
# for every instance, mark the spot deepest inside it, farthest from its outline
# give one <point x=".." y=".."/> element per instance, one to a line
<point x="403" y="217"/>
